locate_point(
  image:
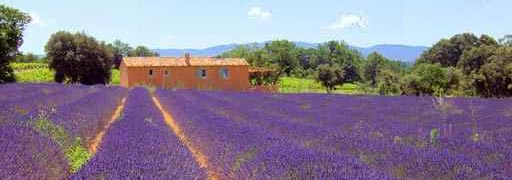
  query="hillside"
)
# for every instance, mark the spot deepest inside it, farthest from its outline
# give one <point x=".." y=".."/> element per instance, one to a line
<point x="403" y="53"/>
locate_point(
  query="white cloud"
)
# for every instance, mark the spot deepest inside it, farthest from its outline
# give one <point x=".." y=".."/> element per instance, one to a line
<point x="345" y="21"/>
<point x="259" y="13"/>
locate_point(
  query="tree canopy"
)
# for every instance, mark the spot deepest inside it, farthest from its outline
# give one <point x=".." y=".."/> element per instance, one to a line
<point x="142" y="51"/>
<point x="447" y="52"/>
<point x="12" y="25"/>
<point x="478" y="66"/>
<point x="330" y="76"/>
<point x="461" y="65"/>
<point x="79" y="58"/>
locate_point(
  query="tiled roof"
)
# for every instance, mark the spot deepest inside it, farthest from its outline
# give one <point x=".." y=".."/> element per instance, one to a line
<point x="182" y="61"/>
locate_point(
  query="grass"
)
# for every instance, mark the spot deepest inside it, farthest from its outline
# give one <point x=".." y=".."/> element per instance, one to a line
<point x="115" y="77"/>
<point x="37" y="75"/>
<point x="302" y="85"/>
<point x="40" y="73"/>
<point x="75" y="152"/>
<point x="24" y="66"/>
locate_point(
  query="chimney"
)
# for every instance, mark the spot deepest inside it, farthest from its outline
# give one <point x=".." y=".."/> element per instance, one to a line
<point x="187" y="58"/>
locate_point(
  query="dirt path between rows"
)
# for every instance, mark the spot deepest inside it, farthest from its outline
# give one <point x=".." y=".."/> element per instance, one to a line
<point x="93" y="145"/>
<point x="199" y="157"/>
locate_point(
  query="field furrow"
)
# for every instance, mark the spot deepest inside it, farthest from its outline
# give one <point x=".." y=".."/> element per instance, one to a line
<point x="141" y="146"/>
<point x="379" y="140"/>
<point x="69" y="118"/>
<point x="199" y="157"/>
<point x="243" y="151"/>
<point x="98" y="132"/>
<point x="96" y="141"/>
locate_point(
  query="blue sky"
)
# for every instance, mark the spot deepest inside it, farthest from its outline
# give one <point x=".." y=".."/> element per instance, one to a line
<point x="199" y="24"/>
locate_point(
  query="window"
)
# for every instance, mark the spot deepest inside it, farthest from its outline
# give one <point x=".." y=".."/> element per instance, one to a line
<point x="166" y="73"/>
<point x="224" y="73"/>
<point x="151" y="73"/>
<point x="201" y="73"/>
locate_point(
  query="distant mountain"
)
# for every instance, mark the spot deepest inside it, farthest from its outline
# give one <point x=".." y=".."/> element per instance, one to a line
<point x="211" y="51"/>
<point x="397" y="52"/>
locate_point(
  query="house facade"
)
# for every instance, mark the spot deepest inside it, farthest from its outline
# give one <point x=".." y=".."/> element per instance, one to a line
<point x="186" y="72"/>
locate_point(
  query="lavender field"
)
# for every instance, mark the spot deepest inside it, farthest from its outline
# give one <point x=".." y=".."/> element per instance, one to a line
<point x="50" y="131"/>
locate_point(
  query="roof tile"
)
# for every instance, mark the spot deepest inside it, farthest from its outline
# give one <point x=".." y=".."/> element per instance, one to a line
<point x="181" y="61"/>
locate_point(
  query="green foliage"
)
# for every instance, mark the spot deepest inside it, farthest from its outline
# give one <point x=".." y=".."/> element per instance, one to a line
<point x="305" y="85"/>
<point x="474" y="58"/>
<point x="115" y="77"/>
<point x="39" y="72"/>
<point x="119" y="50"/>
<point x="330" y="76"/>
<point x="434" y="136"/>
<point x="140" y="51"/>
<point x="74" y="151"/>
<point x="79" y="58"/>
<point x="289" y="60"/>
<point x="32" y="72"/>
<point x="28" y="58"/>
<point x="478" y="67"/>
<point x="372" y="67"/>
<point x="447" y="52"/>
<point x="36" y="75"/>
<point x="28" y="66"/>
<point x="12" y="25"/>
<point x="57" y="133"/>
<point x="388" y="82"/>
<point x="494" y="79"/>
<point x="282" y="56"/>
<point x="350" y="60"/>
<point x="432" y="79"/>
<point x="251" y="53"/>
<point x="77" y="155"/>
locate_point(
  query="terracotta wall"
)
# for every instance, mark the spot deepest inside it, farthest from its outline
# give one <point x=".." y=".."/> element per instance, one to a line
<point x="186" y="77"/>
<point x="123" y="76"/>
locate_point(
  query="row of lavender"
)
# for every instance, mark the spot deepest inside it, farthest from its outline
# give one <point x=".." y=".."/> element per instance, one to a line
<point x="46" y="127"/>
<point x="141" y="146"/>
<point x="238" y="149"/>
<point x="405" y="137"/>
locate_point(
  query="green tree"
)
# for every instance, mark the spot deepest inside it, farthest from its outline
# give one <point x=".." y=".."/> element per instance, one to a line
<point x="79" y="58"/>
<point x="122" y="48"/>
<point x="305" y="57"/>
<point x="282" y="56"/>
<point x="494" y="79"/>
<point x="425" y="79"/>
<point x="28" y="57"/>
<point x="372" y="67"/>
<point x="448" y="51"/>
<point x="474" y="58"/>
<point x="253" y="54"/>
<point x="388" y="82"/>
<point x="142" y="51"/>
<point x="337" y="52"/>
<point x="12" y="25"/>
<point x="330" y="76"/>
<point x="119" y="50"/>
